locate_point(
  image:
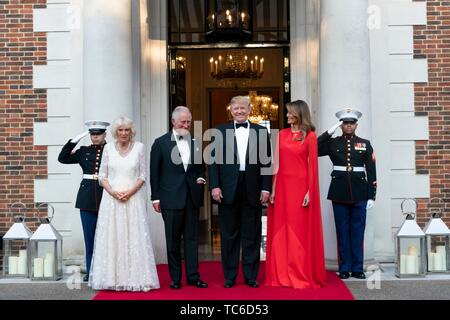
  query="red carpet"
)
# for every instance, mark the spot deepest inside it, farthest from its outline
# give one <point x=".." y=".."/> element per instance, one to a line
<point x="211" y="272"/>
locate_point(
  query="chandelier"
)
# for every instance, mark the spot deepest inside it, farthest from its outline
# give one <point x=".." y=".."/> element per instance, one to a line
<point x="262" y="108"/>
<point x="236" y="64"/>
<point x="228" y="20"/>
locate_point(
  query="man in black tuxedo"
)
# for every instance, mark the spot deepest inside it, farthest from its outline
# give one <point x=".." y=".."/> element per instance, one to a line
<point x="240" y="182"/>
<point x="177" y="178"/>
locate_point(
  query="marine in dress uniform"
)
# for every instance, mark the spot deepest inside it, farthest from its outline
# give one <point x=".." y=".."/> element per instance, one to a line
<point x="90" y="192"/>
<point x="352" y="189"/>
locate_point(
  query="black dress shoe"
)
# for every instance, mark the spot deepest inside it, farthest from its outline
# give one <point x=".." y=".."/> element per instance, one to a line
<point x="358" y="275"/>
<point x="175" y="285"/>
<point x="229" y="283"/>
<point x="344" y="275"/>
<point x="198" y="283"/>
<point x="86" y="278"/>
<point x="252" y="283"/>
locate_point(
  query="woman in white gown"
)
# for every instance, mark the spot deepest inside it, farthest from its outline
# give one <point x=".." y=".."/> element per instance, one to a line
<point x="123" y="258"/>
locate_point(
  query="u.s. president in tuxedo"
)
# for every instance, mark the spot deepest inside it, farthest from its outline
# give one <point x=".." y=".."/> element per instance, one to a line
<point x="177" y="178"/>
<point x="239" y="183"/>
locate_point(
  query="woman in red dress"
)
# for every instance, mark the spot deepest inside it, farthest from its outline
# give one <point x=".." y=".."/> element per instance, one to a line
<point x="295" y="252"/>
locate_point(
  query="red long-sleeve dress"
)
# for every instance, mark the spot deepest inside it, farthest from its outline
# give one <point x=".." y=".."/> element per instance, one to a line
<point x="295" y="250"/>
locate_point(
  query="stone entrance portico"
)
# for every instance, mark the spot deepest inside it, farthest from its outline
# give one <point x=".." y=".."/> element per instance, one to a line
<point x="109" y="58"/>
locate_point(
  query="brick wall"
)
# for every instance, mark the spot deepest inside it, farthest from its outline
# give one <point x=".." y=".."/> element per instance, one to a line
<point x="433" y="100"/>
<point x="20" y="106"/>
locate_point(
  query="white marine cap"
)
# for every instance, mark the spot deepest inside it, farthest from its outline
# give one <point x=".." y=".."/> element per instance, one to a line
<point x="349" y="114"/>
<point x="96" y="126"/>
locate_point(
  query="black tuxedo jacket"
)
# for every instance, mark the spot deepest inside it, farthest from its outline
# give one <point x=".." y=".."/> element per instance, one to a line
<point x="169" y="181"/>
<point x="225" y="175"/>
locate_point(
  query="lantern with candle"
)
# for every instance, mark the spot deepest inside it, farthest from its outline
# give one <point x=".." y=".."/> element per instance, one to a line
<point x="410" y="246"/>
<point x="46" y="250"/>
<point x="16" y="247"/>
<point x="437" y="239"/>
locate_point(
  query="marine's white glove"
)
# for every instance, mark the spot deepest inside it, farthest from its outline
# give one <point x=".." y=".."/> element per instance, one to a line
<point x="370" y="204"/>
<point x="79" y="137"/>
<point x="333" y="129"/>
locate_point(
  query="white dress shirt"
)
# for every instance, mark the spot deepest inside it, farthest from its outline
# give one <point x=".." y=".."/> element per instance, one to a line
<point x="242" y="143"/>
<point x="184" y="148"/>
<point x="242" y="135"/>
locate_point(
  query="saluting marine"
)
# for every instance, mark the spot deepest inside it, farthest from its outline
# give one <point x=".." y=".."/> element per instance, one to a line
<point x="352" y="189"/>
<point x="90" y="192"/>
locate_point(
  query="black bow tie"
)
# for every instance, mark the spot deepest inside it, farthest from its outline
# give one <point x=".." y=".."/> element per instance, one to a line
<point x="244" y="125"/>
<point x="180" y="138"/>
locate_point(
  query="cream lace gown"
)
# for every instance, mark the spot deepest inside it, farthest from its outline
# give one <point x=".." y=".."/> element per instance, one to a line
<point x="123" y="258"/>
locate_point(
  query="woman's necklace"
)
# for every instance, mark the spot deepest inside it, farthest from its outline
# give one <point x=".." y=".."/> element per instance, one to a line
<point x="296" y="134"/>
<point x="124" y="152"/>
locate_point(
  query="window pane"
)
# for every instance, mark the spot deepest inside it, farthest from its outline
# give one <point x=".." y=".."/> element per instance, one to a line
<point x="192" y="13"/>
<point x="174" y="15"/>
<point x="283" y="11"/>
<point x="175" y="37"/>
<point x="185" y="38"/>
<point x="266" y="14"/>
<point x="266" y="37"/>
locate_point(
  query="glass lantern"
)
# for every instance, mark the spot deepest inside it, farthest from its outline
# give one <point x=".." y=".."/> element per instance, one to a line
<point x="16" y="248"/>
<point x="410" y="247"/>
<point x="437" y="238"/>
<point x="46" y="251"/>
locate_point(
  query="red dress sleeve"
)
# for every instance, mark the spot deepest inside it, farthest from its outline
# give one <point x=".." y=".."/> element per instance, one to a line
<point x="316" y="232"/>
<point x="313" y="163"/>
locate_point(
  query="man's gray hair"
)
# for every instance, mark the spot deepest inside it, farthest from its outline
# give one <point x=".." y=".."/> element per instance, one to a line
<point x="178" y="110"/>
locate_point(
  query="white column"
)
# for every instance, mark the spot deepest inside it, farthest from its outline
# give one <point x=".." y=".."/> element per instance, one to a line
<point x="304" y="52"/>
<point x="108" y="60"/>
<point x="344" y="82"/>
<point x="154" y="99"/>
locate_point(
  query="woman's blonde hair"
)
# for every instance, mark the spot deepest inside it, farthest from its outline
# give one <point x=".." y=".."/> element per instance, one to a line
<point x="300" y="110"/>
<point x="123" y="122"/>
